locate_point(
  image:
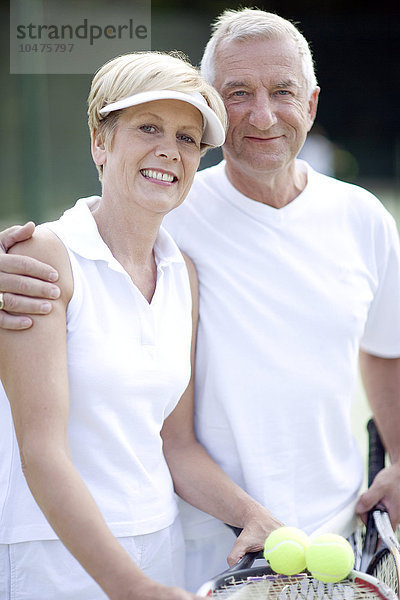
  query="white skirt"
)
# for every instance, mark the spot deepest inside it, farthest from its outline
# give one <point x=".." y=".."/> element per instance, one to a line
<point x="45" y="570"/>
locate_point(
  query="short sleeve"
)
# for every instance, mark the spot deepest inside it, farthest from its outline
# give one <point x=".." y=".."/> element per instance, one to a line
<point x="382" y="331"/>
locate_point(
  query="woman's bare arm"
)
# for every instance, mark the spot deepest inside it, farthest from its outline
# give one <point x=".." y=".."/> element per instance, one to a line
<point x="197" y="477"/>
<point x="33" y="367"/>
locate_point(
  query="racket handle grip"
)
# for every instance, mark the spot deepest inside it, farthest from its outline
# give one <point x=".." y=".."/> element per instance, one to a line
<point x="376" y="452"/>
<point x="236" y="530"/>
<point x="246" y="561"/>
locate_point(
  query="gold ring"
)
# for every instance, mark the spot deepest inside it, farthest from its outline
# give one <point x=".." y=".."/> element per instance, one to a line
<point x="1" y="300"/>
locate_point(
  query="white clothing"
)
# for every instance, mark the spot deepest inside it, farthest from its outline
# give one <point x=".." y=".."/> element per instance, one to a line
<point x="128" y="365"/>
<point x="206" y="554"/>
<point x="31" y="570"/>
<point x="287" y="298"/>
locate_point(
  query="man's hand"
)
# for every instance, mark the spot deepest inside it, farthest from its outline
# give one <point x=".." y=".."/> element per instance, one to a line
<point x="25" y="282"/>
<point x="254" y="534"/>
<point x="17" y="233"/>
<point x="385" y="489"/>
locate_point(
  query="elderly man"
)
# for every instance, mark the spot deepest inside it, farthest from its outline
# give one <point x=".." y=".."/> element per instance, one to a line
<point x="299" y="283"/>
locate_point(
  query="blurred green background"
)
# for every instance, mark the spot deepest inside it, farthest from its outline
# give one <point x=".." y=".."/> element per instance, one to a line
<point x="45" y="162"/>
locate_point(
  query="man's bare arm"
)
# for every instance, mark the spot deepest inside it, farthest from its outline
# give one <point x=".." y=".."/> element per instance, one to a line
<point x="27" y="284"/>
<point x="381" y="378"/>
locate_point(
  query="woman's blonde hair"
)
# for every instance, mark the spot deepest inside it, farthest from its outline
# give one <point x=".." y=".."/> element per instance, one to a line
<point x="136" y="72"/>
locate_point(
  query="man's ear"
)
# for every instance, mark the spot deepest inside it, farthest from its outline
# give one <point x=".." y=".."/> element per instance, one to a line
<point x="312" y="107"/>
<point x="98" y="149"/>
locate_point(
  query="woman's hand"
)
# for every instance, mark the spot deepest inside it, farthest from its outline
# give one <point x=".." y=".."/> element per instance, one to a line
<point x="151" y="590"/>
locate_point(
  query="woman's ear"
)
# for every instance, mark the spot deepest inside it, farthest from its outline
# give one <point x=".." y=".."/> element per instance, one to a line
<point x="98" y="149"/>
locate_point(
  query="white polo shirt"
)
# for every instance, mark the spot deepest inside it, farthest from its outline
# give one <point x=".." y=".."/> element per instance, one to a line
<point x="128" y="365"/>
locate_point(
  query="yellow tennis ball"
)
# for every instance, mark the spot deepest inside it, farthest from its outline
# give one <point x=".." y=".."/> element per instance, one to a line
<point x="285" y="549"/>
<point x="329" y="558"/>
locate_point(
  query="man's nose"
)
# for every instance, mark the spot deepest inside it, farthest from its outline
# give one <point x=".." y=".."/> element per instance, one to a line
<point x="262" y="113"/>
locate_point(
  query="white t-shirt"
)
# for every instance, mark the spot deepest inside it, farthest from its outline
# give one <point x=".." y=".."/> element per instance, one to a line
<point x="128" y="365"/>
<point x="287" y="298"/>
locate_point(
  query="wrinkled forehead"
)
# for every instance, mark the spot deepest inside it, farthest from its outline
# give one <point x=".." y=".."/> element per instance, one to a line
<point x="257" y="59"/>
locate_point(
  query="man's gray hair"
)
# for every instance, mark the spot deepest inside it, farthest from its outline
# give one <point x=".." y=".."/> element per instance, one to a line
<point x="247" y="24"/>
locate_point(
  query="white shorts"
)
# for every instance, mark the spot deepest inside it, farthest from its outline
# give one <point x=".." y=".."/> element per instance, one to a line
<point x="206" y="556"/>
<point x="45" y="570"/>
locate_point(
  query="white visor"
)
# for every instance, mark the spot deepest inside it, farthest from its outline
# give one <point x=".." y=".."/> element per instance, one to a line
<point x="213" y="130"/>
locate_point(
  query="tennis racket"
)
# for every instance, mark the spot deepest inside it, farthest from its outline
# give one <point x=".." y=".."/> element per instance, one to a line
<point x="381" y="548"/>
<point x="378" y="577"/>
<point x="246" y="582"/>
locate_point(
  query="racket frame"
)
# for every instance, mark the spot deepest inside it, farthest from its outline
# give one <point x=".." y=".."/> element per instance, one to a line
<point x="379" y="534"/>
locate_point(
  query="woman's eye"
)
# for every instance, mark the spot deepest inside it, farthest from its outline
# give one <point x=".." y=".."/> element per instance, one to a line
<point x="148" y="128"/>
<point x="187" y="138"/>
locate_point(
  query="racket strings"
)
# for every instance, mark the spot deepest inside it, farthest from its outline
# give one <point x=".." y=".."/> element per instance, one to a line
<point x="356" y="541"/>
<point x="385" y="565"/>
<point x="385" y="568"/>
<point x="302" y="587"/>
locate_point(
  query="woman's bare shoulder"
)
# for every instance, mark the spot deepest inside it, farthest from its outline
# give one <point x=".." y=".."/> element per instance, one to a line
<point x="46" y="247"/>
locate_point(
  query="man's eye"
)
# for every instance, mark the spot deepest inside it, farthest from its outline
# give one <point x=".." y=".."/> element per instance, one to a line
<point x="239" y="93"/>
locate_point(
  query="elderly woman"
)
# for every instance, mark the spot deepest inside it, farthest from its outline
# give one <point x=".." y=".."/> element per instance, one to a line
<point x="100" y="390"/>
